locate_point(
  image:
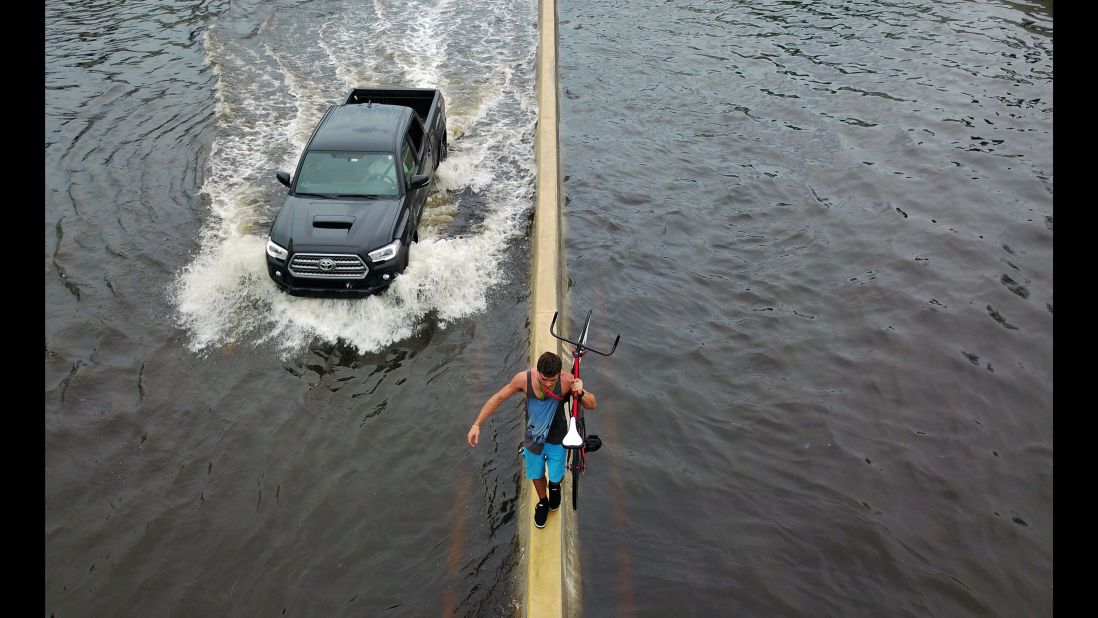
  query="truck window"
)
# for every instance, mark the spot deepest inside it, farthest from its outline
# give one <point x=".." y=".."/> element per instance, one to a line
<point x="348" y="173"/>
<point x="409" y="159"/>
<point x="416" y="133"/>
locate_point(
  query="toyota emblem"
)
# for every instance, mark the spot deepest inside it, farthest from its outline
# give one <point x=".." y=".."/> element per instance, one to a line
<point x="326" y="264"/>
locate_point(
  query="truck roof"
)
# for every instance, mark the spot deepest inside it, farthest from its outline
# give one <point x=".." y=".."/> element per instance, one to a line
<point x="369" y="127"/>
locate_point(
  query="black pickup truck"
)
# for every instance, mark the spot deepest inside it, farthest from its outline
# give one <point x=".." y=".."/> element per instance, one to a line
<point x="358" y="194"/>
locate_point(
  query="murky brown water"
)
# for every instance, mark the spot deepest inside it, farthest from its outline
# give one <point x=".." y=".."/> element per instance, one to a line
<point x="823" y="230"/>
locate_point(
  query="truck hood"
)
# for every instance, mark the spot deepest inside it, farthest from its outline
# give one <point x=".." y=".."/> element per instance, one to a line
<point x="317" y="225"/>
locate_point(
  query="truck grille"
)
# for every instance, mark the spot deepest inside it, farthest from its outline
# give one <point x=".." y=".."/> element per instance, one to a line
<point x="328" y="266"/>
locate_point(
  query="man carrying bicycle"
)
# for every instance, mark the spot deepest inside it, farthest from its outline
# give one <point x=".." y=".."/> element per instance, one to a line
<point x="546" y="425"/>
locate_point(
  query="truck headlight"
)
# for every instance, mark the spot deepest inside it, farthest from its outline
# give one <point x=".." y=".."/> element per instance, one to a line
<point x="276" y="251"/>
<point x="387" y="252"/>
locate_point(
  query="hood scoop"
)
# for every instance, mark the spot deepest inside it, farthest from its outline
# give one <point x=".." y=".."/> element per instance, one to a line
<point x="333" y="222"/>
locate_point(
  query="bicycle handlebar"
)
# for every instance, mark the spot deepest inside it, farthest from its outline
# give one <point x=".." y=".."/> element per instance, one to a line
<point x="580" y="345"/>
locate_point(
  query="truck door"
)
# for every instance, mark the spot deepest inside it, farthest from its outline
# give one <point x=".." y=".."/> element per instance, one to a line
<point x="423" y="146"/>
<point x="417" y="198"/>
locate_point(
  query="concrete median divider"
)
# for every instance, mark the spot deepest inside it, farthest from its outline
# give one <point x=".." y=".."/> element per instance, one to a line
<point x="544" y="548"/>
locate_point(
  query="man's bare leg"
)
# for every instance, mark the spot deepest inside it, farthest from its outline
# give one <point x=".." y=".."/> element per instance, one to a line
<point x="539" y="486"/>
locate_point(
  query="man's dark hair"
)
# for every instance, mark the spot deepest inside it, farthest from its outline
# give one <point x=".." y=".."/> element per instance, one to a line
<point x="549" y="364"/>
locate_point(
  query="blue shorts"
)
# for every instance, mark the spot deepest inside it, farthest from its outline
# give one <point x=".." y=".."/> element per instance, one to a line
<point x="555" y="454"/>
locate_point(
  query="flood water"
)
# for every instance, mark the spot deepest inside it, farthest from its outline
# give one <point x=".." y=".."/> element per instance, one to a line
<point x="823" y="231"/>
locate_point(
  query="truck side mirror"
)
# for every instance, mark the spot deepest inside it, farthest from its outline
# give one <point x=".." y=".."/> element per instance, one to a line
<point x="283" y="177"/>
<point x="418" y="181"/>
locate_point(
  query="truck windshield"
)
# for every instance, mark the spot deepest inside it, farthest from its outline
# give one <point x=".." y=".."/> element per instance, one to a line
<point x="348" y="174"/>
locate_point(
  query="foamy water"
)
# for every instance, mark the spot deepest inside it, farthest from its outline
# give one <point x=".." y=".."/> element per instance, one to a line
<point x="270" y="95"/>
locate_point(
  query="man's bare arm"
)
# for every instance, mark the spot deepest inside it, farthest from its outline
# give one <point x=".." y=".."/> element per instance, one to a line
<point x="576" y="385"/>
<point x="514" y="386"/>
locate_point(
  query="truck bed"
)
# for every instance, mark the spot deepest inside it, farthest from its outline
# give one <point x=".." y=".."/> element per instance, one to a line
<point x="421" y="100"/>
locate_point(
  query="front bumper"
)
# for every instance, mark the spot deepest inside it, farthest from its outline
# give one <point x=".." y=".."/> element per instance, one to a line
<point x="374" y="281"/>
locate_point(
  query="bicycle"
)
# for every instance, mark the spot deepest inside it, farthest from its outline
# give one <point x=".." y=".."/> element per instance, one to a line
<point x="577" y="442"/>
